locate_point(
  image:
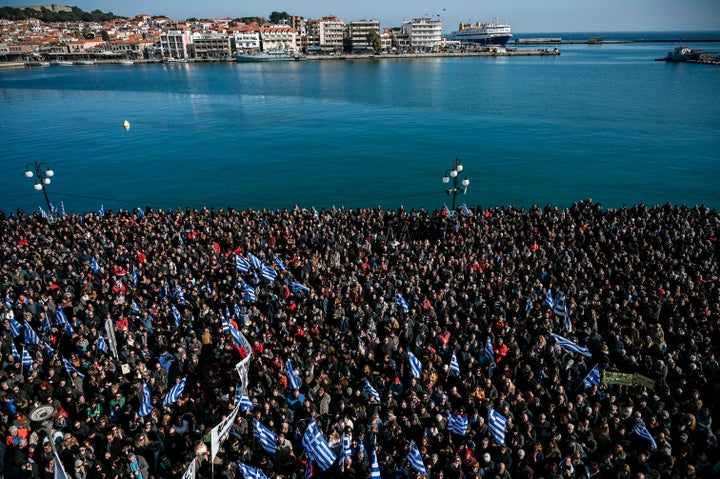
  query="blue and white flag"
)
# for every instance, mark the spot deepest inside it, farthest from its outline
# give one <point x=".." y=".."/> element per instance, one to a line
<point x="415" y="365"/>
<point x="43" y="213"/>
<point x="243" y="399"/>
<point x="102" y="344"/>
<point x="528" y="305"/>
<point x="236" y="335"/>
<point x="45" y="323"/>
<point x="464" y="209"/>
<point x="280" y="263"/>
<point x="571" y="346"/>
<point x="30" y="336"/>
<point x="317" y="447"/>
<point x="254" y="261"/>
<point x="176" y="315"/>
<point x="101" y="211"/>
<point x="374" y="466"/>
<point x="14" y="351"/>
<point x="241" y="264"/>
<point x="175" y="392"/>
<point x="293" y="381"/>
<point x="297" y="287"/>
<point x="642" y="431"/>
<point x="27" y="360"/>
<point x="454" y="365"/>
<point x="489" y="353"/>
<point x="345" y="451"/>
<point x="249" y="294"/>
<point x="370" y="392"/>
<point x="457" y="424"/>
<point x="549" y="299"/>
<point x="593" y="378"/>
<point x="415" y="459"/>
<point x="249" y="472"/>
<point x="14" y="328"/>
<point x="400" y="301"/>
<point x="135" y="276"/>
<point x="69" y="329"/>
<point x="267" y="438"/>
<point x="238" y="311"/>
<point x="62" y="209"/>
<point x="179" y="295"/>
<point x="268" y="272"/>
<point x="8" y="301"/>
<point x="70" y="368"/>
<point x="165" y="360"/>
<point x="134" y="308"/>
<point x="145" y="401"/>
<point x="497" y="423"/>
<point x="94" y="266"/>
<point x="60" y="317"/>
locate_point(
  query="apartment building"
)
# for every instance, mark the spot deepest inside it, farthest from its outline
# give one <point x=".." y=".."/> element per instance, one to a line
<point x="424" y="34"/>
<point x="210" y="45"/>
<point x="357" y="35"/>
<point x="175" y="43"/>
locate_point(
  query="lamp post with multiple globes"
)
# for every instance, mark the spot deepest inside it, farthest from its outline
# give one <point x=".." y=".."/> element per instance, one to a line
<point x="42" y="174"/>
<point x="454" y="173"/>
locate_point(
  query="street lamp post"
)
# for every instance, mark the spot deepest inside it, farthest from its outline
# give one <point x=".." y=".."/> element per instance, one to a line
<point x="43" y="173"/>
<point x="454" y="173"/>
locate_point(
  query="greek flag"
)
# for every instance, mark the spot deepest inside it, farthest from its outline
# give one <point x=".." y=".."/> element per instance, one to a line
<point x="14" y="328"/>
<point x="45" y="323"/>
<point x="8" y="301"/>
<point x="135" y="276"/>
<point x="464" y="209"/>
<point x="280" y="263"/>
<point x="415" y="365"/>
<point x="243" y="399"/>
<point x="134" y="308"/>
<point x="374" y="466"/>
<point x="346" y="451"/>
<point x="570" y="346"/>
<point x="497" y="423"/>
<point x="317" y="447"/>
<point x="238" y="311"/>
<point x="62" y="209"/>
<point x="254" y="261"/>
<point x="176" y="315"/>
<point x="69" y="329"/>
<point x="415" y="459"/>
<point x="14" y="350"/>
<point x="30" y="336"/>
<point x="457" y="424"/>
<point x="241" y="264"/>
<point x="146" y="401"/>
<point x="642" y="431"/>
<point x="489" y="350"/>
<point x="249" y="293"/>
<point x="27" y="360"/>
<point x="297" y="287"/>
<point x="400" y="301"/>
<point x="267" y="438"/>
<point x="293" y="381"/>
<point x="174" y="394"/>
<point x="593" y="378"/>
<point x="236" y="336"/>
<point x="249" y="472"/>
<point x="94" y="266"/>
<point x="60" y="317"/>
<point x="549" y="299"/>
<point x="370" y="391"/>
<point x="454" y="365"/>
<point x="43" y="213"/>
<point x="179" y="295"/>
<point x="528" y="305"/>
<point x="70" y="368"/>
<point x="101" y="211"/>
<point x="165" y="360"/>
<point x="267" y="272"/>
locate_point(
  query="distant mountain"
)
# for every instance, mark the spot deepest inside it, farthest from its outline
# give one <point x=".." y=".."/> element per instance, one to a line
<point x="55" y="13"/>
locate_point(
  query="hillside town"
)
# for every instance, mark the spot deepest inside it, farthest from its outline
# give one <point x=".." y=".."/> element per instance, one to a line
<point x="157" y="37"/>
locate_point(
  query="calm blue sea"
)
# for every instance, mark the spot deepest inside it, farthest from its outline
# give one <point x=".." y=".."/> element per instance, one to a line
<point x="605" y="122"/>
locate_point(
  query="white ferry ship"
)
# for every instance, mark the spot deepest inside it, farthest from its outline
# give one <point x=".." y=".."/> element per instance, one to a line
<point x="494" y="33"/>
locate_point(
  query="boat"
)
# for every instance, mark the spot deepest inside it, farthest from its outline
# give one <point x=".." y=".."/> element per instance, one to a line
<point x="493" y="33"/>
<point x="275" y="55"/>
<point x="64" y="63"/>
<point x="43" y="63"/>
<point x="86" y="62"/>
<point x="175" y="60"/>
<point x="126" y="62"/>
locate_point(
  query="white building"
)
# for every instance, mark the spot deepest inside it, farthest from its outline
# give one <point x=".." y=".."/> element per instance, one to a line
<point x="175" y="43"/>
<point x="247" y="40"/>
<point x="358" y="32"/>
<point x="424" y="34"/>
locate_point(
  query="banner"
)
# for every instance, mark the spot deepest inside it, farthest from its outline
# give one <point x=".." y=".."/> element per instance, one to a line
<point x="219" y="432"/>
<point x="627" y="379"/>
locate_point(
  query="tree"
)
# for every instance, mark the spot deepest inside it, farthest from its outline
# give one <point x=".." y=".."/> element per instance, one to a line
<point x="277" y="18"/>
<point x="106" y="36"/>
<point x="374" y="40"/>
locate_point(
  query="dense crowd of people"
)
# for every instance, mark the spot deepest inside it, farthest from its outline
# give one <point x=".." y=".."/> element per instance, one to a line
<point x="641" y="290"/>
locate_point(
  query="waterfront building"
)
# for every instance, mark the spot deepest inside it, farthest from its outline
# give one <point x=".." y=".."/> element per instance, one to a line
<point x="246" y="40"/>
<point x="175" y="43"/>
<point x="425" y="34"/>
<point x="358" y="32"/>
<point x="134" y="46"/>
<point x="277" y="37"/>
<point x="210" y="45"/>
<point x="327" y="34"/>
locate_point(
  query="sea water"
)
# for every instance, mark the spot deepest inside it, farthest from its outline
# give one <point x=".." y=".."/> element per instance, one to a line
<point x="605" y="122"/>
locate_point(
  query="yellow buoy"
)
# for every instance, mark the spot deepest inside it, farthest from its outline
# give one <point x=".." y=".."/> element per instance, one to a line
<point x="126" y="124"/>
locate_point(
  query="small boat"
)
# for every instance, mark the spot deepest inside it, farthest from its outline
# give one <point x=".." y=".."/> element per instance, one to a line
<point x="44" y="64"/>
<point x="86" y="62"/>
<point x="175" y="60"/>
<point x="126" y="62"/>
<point x="64" y="63"/>
<point x="275" y="55"/>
